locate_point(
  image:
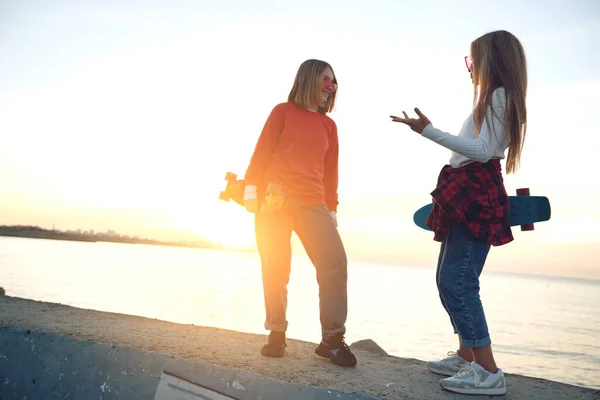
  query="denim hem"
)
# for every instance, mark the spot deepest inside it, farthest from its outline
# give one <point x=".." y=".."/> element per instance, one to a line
<point x="476" y="343"/>
<point x="331" y="332"/>
<point x="275" y="327"/>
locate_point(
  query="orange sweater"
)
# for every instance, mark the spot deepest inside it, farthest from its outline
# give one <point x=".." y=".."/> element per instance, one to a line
<point x="297" y="149"/>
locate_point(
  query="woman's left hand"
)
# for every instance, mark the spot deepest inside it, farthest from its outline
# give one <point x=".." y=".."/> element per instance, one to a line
<point x="416" y="124"/>
<point x="334" y="217"/>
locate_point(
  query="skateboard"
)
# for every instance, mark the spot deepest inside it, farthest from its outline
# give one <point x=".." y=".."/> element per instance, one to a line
<point x="525" y="210"/>
<point x="274" y="199"/>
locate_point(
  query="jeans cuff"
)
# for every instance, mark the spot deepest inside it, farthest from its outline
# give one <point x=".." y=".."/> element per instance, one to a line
<point x="331" y="332"/>
<point x="276" y="327"/>
<point x="476" y="343"/>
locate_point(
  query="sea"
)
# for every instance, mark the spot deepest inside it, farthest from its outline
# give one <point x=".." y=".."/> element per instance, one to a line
<point x="544" y="327"/>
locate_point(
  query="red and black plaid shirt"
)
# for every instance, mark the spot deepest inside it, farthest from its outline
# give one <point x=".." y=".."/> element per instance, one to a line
<point x="473" y="195"/>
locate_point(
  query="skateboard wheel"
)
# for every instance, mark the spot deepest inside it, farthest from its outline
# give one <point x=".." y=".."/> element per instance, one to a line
<point x="224" y="196"/>
<point x="528" y="227"/>
<point x="230" y="176"/>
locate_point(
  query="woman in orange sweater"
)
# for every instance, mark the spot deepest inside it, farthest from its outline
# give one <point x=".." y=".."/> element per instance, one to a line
<point x="298" y="149"/>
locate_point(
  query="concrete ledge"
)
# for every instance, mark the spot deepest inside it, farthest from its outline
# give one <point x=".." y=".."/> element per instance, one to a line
<point x="38" y="365"/>
<point x="52" y="351"/>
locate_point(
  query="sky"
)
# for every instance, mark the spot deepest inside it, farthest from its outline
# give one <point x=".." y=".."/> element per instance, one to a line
<point x="127" y="115"/>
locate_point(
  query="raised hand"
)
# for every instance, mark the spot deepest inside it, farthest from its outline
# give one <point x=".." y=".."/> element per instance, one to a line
<point x="334" y="217"/>
<point x="416" y="124"/>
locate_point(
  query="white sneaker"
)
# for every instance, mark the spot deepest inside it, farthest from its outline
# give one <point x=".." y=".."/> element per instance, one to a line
<point x="476" y="380"/>
<point x="449" y="365"/>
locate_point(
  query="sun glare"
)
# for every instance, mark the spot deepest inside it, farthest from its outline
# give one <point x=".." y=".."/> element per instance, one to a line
<point x="225" y="224"/>
<point x="234" y="242"/>
<point x="231" y="233"/>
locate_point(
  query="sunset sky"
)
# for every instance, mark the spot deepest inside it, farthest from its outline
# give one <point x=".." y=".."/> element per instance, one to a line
<point x="126" y="115"/>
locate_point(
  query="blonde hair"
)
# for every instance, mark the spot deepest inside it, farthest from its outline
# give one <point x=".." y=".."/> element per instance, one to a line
<point x="306" y="91"/>
<point x="499" y="61"/>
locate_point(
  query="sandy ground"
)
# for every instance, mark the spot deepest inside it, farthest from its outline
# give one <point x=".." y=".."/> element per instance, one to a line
<point x="377" y="374"/>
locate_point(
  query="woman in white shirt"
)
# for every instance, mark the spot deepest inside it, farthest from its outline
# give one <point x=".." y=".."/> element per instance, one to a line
<point x="471" y="207"/>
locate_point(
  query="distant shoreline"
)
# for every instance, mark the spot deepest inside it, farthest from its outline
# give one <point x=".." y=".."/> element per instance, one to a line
<point x="64" y="237"/>
<point x="34" y="232"/>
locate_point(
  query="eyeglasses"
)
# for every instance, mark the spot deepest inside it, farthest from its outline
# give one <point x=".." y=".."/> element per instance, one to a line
<point x="469" y="63"/>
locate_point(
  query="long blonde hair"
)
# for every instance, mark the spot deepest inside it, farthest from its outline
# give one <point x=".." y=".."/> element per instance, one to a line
<point x="306" y="91"/>
<point x="499" y="61"/>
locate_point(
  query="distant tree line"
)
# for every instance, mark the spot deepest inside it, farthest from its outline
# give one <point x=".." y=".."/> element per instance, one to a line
<point x="41" y="233"/>
<point x="27" y="231"/>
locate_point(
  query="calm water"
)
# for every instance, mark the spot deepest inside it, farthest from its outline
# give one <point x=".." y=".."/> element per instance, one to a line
<point x="542" y="327"/>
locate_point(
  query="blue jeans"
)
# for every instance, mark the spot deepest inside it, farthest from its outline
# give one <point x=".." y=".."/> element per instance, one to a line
<point x="459" y="266"/>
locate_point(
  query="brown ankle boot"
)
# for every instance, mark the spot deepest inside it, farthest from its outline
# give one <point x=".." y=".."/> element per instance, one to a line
<point x="275" y="347"/>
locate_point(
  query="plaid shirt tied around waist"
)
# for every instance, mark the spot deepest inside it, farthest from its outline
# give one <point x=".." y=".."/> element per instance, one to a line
<point x="475" y="196"/>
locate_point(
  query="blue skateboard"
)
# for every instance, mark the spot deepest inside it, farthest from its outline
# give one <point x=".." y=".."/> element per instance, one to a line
<point x="525" y="210"/>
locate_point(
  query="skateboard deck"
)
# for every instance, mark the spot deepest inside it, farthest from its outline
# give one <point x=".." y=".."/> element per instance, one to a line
<point x="525" y="210"/>
<point x="274" y="199"/>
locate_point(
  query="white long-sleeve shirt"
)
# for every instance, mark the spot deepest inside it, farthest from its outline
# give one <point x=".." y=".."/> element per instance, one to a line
<point x="467" y="147"/>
